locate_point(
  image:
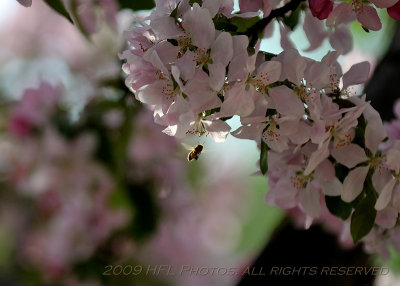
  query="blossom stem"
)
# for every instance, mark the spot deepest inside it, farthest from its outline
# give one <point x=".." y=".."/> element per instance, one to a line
<point x="254" y="31"/>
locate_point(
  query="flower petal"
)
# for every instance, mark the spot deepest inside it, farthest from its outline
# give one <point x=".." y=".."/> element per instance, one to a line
<point x="353" y="184"/>
<point x="385" y="196"/>
<point x="310" y="201"/>
<point x="357" y="74"/>
<point x="317" y="157"/>
<point x="222" y="49"/>
<point x="369" y="18"/>
<point x="286" y="101"/>
<point x="394" y="11"/>
<point x="350" y="155"/>
<point x="384" y="3"/>
<point x="199" y="24"/>
<point x="393" y="159"/>
<point x="374" y="132"/>
<point x="217" y="129"/>
<point x="332" y="188"/>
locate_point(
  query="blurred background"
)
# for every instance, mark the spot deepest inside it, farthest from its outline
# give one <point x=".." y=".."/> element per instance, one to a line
<point x="93" y="193"/>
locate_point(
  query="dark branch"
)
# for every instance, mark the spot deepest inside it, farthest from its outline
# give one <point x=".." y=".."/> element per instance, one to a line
<point x="254" y="31"/>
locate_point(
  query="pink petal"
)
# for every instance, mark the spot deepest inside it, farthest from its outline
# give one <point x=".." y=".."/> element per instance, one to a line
<point x="369" y="18"/>
<point x="374" y="132"/>
<point x="212" y="6"/>
<point x="317" y="75"/>
<point x="332" y="188"/>
<point x="314" y="30"/>
<point x="286" y="101"/>
<point x="249" y="6"/>
<point x="343" y="13"/>
<point x="199" y="24"/>
<point x="217" y="76"/>
<point x="350" y="155"/>
<point x="357" y="74"/>
<point x="354" y="183"/>
<point x="293" y="65"/>
<point x="286" y="43"/>
<point x="269" y="72"/>
<point x="237" y="101"/>
<point x="222" y="49"/>
<point x="274" y="140"/>
<point x="387" y="218"/>
<point x="317" y="157"/>
<point x="310" y="201"/>
<point x="217" y="129"/>
<point x="325" y="171"/>
<point x="384" y="3"/>
<point x="385" y="196"/>
<point x="321" y="8"/>
<point x="341" y="40"/>
<point x="165" y="28"/>
<point x="393" y="159"/>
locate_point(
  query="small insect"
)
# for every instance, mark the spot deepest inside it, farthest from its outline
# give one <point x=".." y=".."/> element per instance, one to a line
<point x="194" y="151"/>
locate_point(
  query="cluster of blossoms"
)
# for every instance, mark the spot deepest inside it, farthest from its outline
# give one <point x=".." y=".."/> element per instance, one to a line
<point x="319" y="141"/>
<point x="87" y="13"/>
<point x="386" y="232"/>
<point x="345" y="11"/>
<point x="55" y="165"/>
<point x="68" y="189"/>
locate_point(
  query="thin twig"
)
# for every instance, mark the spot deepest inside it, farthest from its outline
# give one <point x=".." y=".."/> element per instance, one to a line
<point x="254" y="31"/>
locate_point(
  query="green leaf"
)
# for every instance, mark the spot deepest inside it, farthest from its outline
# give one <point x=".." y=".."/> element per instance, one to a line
<point x="338" y="207"/>
<point x="264" y="157"/>
<point x="222" y="23"/>
<point x="293" y="19"/>
<point x="136" y="5"/>
<point x="58" y="6"/>
<point x="243" y="24"/>
<point x="363" y="217"/>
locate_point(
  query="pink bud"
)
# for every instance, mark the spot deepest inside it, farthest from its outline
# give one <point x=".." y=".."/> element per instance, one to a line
<point x="394" y="11"/>
<point x="321" y="8"/>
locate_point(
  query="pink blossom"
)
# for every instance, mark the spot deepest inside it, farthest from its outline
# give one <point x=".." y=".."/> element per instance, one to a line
<point x="34" y="108"/>
<point x="394" y="11"/>
<point x="321" y="9"/>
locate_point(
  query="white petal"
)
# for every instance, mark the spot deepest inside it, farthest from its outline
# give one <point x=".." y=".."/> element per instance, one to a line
<point x="325" y="171"/>
<point x="309" y="201"/>
<point x="385" y="196"/>
<point x="217" y="129"/>
<point x="294" y="65"/>
<point x="354" y="183"/>
<point x="222" y="49"/>
<point x="374" y="132"/>
<point x="349" y="155"/>
<point x="286" y="101"/>
<point x="217" y="76"/>
<point x="317" y="157"/>
<point x="357" y="74"/>
<point x="269" y="72"/>
<point x="332" y="188"/>
<point x="199" y="24"/>
<point x="393" y="159"/>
